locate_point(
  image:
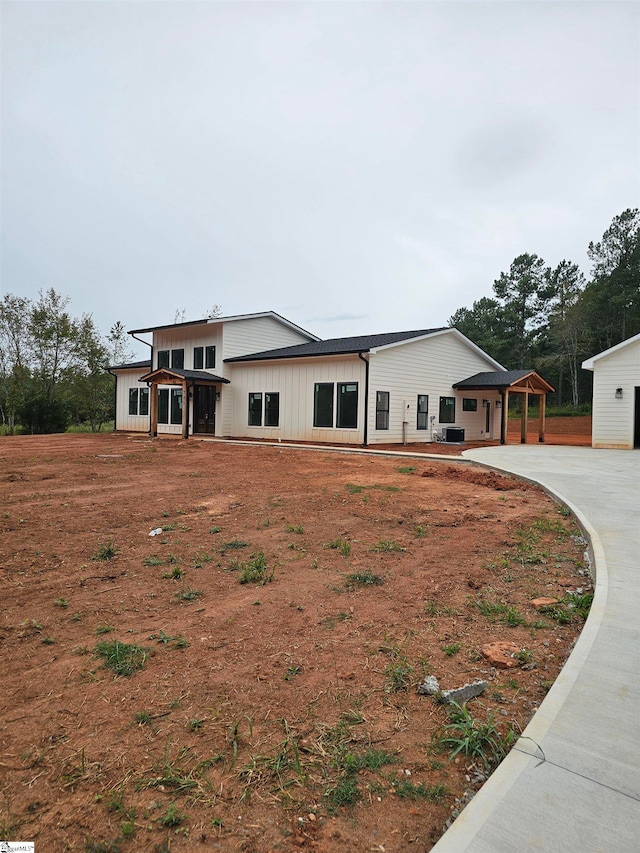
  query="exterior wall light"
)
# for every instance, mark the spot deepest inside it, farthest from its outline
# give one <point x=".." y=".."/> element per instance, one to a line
<point x="618" y="393"/>
<point x="498" y="404"/>
<point x="485" y="403"/>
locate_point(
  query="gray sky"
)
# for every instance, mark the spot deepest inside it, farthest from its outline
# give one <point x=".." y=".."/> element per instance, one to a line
<point x="357" y="167"/>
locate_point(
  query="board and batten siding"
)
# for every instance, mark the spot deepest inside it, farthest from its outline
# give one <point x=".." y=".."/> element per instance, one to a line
<point x="613" y="418"/>
<point x="126" y="380"/>
<point x="428" y="366"/>
<point x="188" y="337"/>
<point x="294" y="380"/>
<point x="257" y="334"/>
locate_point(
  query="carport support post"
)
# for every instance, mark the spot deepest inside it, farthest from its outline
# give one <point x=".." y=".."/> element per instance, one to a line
<point x="504" y="420"/>
<point x="185" y="410"/>
<point x="524" y="415"/>
<point x="543" y="406"/>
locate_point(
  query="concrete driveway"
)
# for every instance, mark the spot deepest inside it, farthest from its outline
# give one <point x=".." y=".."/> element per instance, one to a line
<point x="572" y="782"/>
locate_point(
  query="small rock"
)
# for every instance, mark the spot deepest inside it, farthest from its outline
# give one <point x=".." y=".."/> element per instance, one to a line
<point x="543" y="601"/>
<point x="463" y="694"/>
<point x="500" y="654"/>
<point x="429" y="686"/>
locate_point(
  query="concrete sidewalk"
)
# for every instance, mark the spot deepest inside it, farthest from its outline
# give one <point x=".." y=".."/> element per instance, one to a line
<point x="573" y="785"/>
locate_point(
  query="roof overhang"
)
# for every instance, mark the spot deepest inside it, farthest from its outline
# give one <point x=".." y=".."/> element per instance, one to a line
<point x="589" y="363"/>
<point x="529" y="381"/>
<point x="174" y="376"/>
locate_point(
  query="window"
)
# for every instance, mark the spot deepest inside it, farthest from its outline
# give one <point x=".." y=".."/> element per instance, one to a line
<point x="176" y="405"/>
<point x="447" y="410"/>
<point x="177" y="358"/>
<point x="382" y="410"/>
<point x="423" y="411"/>
<point x="272" y="410"/>
<point x="255" y="409"/>
<point x="144" y="401"/>
<point x="323" y="404"/>
<point x="347" y="405"/>
<point x="469" y="404"/>
<point x="198" y="358"/>
<point x="210" y="357"/>
<point x="133" y="401"/>
<point x="163" y="406"/>
<point x="163" y="358"/>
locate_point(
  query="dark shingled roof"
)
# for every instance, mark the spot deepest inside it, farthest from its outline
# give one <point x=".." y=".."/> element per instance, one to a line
<point x="131" y="365"/>
<point x="493" y="379"/>
<point x="336" y="346"/>
<point x="197" y="375"/>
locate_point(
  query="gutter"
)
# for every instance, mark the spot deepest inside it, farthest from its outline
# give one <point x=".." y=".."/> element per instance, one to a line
<point x="366" y="399"/>
<point x="115" y="399"/>
<point x="133" y="335"/>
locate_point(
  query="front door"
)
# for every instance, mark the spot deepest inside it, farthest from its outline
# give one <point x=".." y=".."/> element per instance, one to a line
<point x="636" y="419"/>
<point x="487" y="427"/>
<point x="204" y="410"/>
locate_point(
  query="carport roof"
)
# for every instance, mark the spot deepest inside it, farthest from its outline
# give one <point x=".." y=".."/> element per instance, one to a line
<point x="201" y="377"/>
<point x="501" y="379"/>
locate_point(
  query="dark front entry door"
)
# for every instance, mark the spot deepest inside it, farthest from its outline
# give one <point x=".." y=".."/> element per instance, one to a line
<point x="204" y="409"/>
<point x="636" y="420"/>
<point x="487" y="425"/>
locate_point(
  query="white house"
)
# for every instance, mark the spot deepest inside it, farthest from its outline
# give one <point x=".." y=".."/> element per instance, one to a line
<point x="616" y="395"/>
<point x="261" y="376"/>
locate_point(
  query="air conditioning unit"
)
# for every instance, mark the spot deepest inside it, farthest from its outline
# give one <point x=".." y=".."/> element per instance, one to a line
<point x="454" y="434"/>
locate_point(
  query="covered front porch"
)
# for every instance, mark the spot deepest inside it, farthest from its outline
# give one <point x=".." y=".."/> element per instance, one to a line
<point x="191" y="403"/>
<point x="524" y="382"/>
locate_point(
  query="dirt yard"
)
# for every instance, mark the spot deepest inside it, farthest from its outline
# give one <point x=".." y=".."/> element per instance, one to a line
<point x="269" y="640"/>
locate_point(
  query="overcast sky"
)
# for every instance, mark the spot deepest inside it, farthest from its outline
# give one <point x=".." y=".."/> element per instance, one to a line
<point x="358" y="167"/>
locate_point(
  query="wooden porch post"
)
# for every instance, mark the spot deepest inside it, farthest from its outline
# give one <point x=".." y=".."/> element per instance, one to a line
<point x="153" y="390"/>
<point x="185" y="410"/>
<point x="543" y="406"/>
<point x="524" y="418"/>
<point x="504" y="421"/>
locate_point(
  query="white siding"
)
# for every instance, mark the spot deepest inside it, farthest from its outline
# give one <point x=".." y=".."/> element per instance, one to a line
<point x="187" y="338"/>
<point x="256" y="334"/>
<point x="294" y="380"/>
<point x="429" y="366"/>
<point x="613" y="418"/>
<point x="127" y="379"/>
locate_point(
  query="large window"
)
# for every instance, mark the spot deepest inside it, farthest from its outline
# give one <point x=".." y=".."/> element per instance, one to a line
<point x="163" y="358"/>
<point x="138" y="401"/>
<point x="323" y="404"/>
<point x="144" y="401"/>
<point x="163" y="406"/>
<point x="255" y="409"/>
<point x="447" y="410"/>
<point x="347" y="405"/>
<point x="210" y="357"/>
<point x="198" y="358"/>
<point x="423" y="411"/>
<point x="176" y="405"/>
<point x="133" y="401"/>
<point x="177" y="358"/>
<point x="469" y="404"/>
<point x="382" y="410"/>
<point x="272" y="409"/>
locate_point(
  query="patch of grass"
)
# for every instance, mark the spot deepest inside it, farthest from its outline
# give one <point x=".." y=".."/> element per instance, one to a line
<point x="432" y="608"/>
<point x="122" y="658"/>
<point x="452" y="649"/>
<point x="189" y="595"/>
<point x="172" y="817"/>
<point x="406" y="469"/>
<point x="61" y="602"/>
<point x="364" y="578"/>
<point x="581" y="603"/>
<point x="152" y="561"/>
<point x="195" y="724"/>
<point x="143" y="718"/>
<point x="104" y="629"/>
<point x="201" y="559"/>
<point x="235" y="544"/>
<point x="387" y="546"/>
<point x="344" y="793"/>
<point x="106" y="551"/>
<point x="47" y="641"/>
<point x="475" y="739"/>
<point x="421" y="530"/>
<point x="295" y="528"/>
<point x="496" y="611"/>
<point x="340" y="544"/>
<point x="408" y="790"/>
<point x="178" y="642"/>
<point x="353" y="489"/>
<point x="291" y="672"/>
<point x="215" y="530"/>
<point x="371" y="759"/>
<point x="175" y="574"/>
<point x="255" y="570"/>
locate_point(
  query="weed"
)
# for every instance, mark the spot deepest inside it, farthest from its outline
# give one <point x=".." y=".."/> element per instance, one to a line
<point x="167" y="528"/>
<point x="195" y="724"/>
<point x="283" y="764"/>
<point x="341" y="545"/>
<point x="406" y="469"/>
<point x="61" y="602"/>
<point x="233" y="545"/>
<point x="407" y="790"/>
<point x="175" y="574"/>
<point x="216" y="822"/>
<point x="215" y="529"/>
<point x="291" y="672"/>
<point x="452" y="649"/>
<point x="104" y="629"/>
<point x="178" y="641"/>
<point x="183" y="773"/>
<point x="76" y="617"/>
<point x="524" y="656"/>
<point x="152" y="561"/>
<point x="479" y="741"/>
<point x="364" y="578"/>
<point x="295" y="528"/>
<point x="233" y="735"/>
<point x="581" y="603"/>
<point x="48" y="641"/>
<point x="512" y="684"/>
<point x="254" y="570"/>
<point x="128" y="827"/>
<point x="344" y="793"/>
<point x="142" y="718"/>
<point x="559" y="612"/>
<point x="432" y="608"/>
<point x="105" y="551"/>
<point x="201" y="559"/>
<point x="372" y="759"/>
<point x="122" y="658"/>
<point x="188" y="595"/>
<point x="353" y="489"/>
<point x="387" y="546"/>
<point x="421" y="530"/>
<point x="172" y="817"/>
<point x="499" y="612"/>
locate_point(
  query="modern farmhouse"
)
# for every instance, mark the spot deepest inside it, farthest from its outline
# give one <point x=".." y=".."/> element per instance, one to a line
<point x="261" y="376"/>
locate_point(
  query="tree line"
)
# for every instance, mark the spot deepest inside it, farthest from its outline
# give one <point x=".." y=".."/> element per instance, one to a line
<point x="53" y="365"/>
<point x="552" y="319"/>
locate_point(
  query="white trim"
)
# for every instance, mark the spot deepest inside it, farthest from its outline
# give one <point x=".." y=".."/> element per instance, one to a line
<point x="450" y="331"/>
<point x="221" y="320"/>
<point x="588" y="364"/>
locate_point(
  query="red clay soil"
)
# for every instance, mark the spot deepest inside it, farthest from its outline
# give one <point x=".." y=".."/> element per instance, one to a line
<point x="283" y="618"/>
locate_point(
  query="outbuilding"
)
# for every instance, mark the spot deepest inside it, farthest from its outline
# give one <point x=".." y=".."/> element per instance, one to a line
<point x="616" y="396"/>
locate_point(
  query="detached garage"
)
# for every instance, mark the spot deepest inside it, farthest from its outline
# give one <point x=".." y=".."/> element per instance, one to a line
<point x="616" y="396"/>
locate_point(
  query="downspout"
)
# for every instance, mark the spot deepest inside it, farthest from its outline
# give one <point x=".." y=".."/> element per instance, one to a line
<point x="150" y="386"/>
<point x="115" y="398"/>
<point x="366" y="398"/>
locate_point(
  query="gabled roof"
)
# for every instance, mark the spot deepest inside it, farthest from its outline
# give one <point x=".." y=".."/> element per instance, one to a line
<point x="199" y="376"/>
<point x="336" y="346"/>
<point x="230" y="319"/>
<point x="589" y="363"/>
<point x="131" y="365"/>
<point x="501" y="379"/>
